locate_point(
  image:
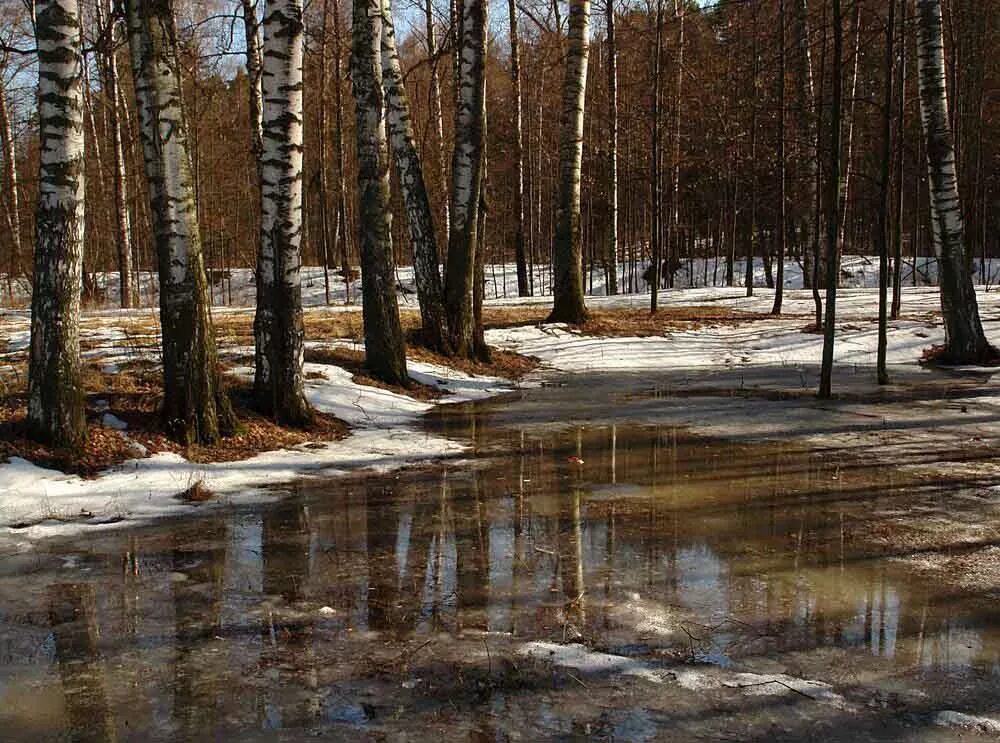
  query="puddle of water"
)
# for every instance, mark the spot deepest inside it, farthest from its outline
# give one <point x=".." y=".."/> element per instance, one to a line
<point x="355" y="604"/>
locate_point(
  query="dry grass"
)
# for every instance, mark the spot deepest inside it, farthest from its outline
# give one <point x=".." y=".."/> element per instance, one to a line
<point x="133" y="395"/>
<point x="354" y="362"/>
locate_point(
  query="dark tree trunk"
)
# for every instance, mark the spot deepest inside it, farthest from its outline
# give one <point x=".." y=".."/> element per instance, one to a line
<point x="419" y="218"/>
<point x="885" y="208"/>
<point x="384" y="351"/>
<point x="833" y="205"/>
<point x="195" y="406"/>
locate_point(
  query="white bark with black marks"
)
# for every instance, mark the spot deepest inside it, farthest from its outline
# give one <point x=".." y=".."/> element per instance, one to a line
<point x="612" y="69"/>
<point x="965" y="341"/>
<point x="279" y="328"/>
<point x="466" y="175"/>
<point x="55" y="393"/>
<point x="568" y="305"/>
<point x="520" y="257"/>
<point x="384" y="350"/>
<point x="195" y="406"/>
<point x="128" y="293"/>
<point x="419" y="218"/>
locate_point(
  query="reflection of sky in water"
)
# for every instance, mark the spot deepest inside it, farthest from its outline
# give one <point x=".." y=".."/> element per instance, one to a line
<point x="701" y="581"/>
<point x="774" y="569"/>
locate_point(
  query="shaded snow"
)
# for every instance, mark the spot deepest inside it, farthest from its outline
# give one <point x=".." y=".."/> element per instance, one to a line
<point x="36" y="502"/>
<point x="580" y="658"/>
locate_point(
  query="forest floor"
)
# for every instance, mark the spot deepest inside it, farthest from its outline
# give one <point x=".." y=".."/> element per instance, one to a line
<point x="723" y="366"/>
<point x="833" y="575"/>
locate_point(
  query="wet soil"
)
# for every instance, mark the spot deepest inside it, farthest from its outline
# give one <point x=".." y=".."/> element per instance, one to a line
<point x="704" y="589"/>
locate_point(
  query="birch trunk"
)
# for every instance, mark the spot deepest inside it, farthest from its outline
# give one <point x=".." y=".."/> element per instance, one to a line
<point x="673" y="247"/>
<point x="279" y="382"/>
<point x="55" y="389"/>
<point x="419" y="218"/>
<point x="965" y="341"/>
<point x="195" y="406"/>
<point x="779" y="282"/>
<point x="808" y="124"/>
<point x="255" y="63"/>
<point x="436" y="116"/>
<point x="568" y="305"/>
<point x="466" y="176"/>
<point x="612" y="256"/>
<point x="123" y="236"/>
<point x="523" y="288"/>
<point x="655" y="171"/>
<point x="264" y="268"/>
<point x="845" y="190"/>
<point x="341" y="233"/>
<point x="897" y="266"/>
<point x="328" y="238"/>
<point x="384" y="352"/>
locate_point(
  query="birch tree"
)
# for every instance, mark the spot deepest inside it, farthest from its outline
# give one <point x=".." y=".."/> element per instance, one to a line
<point x="612" y="70"/>
<point x="885" y="188"/>
<point x="568" y="305"/>
<point x="384" y="352"/>
<point x="279" y="327"/>
<point x="419" y="218"/>
<point x="808" y="119"/>
<point x="466" y="175"/>
<point x="520" y="259"/>
<point x="437" y="119"/>
<point x="109" y="72"/>
<point x="255" y="64"/>
<point x="195" y="406"/>
<point x="55" y="388"/>
<point x="965" y="341"/>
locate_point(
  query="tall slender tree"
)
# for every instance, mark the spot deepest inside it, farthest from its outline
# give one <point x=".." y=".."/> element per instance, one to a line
<point x="196" y="408"/>
<point x="897" y="263"/>
<point x="108" y="62"/>
<point x="779" y="282"/>
<point x="9" y="183"/>
<point x="55" y="387"/>
<point x="437" y="119"/>
<point x="568" y="305"/>
<point x="655" y="167"/>
<point x="833" y="185"/>
<point x="467" y="168"/>
<point x="520" y="258"/>
<point x="885" y="188"/>
<point x="612" y="70"/>
<point x="384" y="351"/>
<point x="419" y="218"/>
<point x="965" y="341"/>
<point x="279" y="326"/>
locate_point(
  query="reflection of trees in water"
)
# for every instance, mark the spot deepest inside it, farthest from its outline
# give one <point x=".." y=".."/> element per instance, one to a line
<point x="198" y="559"/>
<point x="399" y="532"/>
<point x="72" y="615"/>
<point x="289" y="696"/>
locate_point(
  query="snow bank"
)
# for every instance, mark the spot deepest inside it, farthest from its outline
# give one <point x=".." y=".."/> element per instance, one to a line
<point x="36" y="502"/>
<point x="236" y="286"/>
